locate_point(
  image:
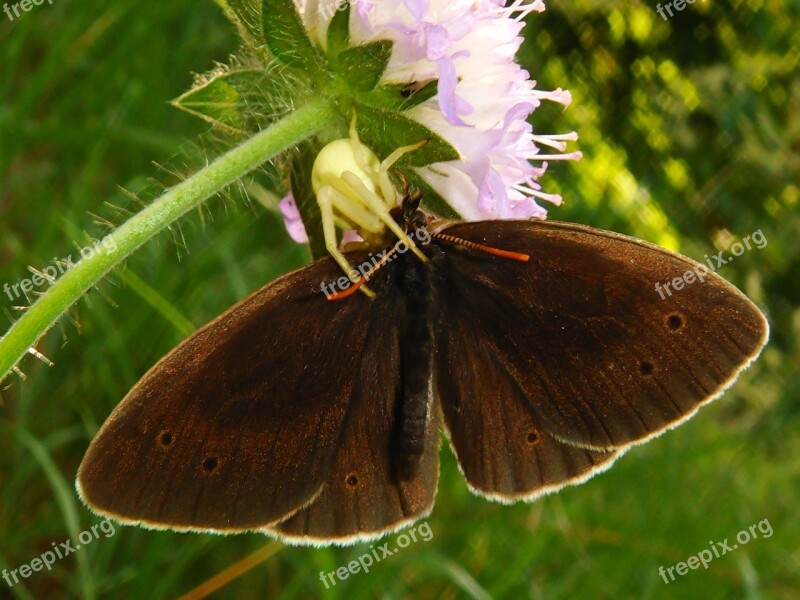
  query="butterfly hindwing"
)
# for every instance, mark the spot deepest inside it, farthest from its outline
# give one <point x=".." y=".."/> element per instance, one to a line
<point x="501" y="446"/>
<point x="383" y="476"/>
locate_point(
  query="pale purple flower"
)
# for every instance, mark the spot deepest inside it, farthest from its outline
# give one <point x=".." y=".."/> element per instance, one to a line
<point x="291" y="217"/>
<point x="484" y="97"/>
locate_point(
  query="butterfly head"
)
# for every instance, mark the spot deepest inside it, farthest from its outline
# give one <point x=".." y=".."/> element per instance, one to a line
<point x="408" y="214"/>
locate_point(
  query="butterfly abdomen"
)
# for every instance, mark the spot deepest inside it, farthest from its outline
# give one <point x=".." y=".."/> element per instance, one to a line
<point x="415" y="370"/>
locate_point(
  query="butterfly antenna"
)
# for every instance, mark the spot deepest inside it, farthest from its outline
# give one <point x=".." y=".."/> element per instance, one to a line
<point x="518" y="256"/>
<point x="365" y="277"/>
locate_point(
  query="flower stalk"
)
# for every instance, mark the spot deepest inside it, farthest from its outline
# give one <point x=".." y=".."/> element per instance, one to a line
<point x="164" y="211"/>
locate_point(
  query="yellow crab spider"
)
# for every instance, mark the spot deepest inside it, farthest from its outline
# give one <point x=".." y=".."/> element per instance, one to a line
<point x="354" y="191"/>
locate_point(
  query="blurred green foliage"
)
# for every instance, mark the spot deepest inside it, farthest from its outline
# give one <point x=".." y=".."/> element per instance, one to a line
<point x="690" y="130"/>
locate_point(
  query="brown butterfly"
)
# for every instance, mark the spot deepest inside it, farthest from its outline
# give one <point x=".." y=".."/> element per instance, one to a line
<point x="542" y="347"/>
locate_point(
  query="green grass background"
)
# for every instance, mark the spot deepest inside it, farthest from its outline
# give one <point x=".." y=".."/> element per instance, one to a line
<point x="690" y="130"/>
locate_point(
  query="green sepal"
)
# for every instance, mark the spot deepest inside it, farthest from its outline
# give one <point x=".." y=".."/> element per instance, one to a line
<point x="360" y="68"/>
<point x="222" y="99"/>
<point x="246" y="17"/>
<point x="399" y="96"/>
<point x="384" y="131"/>
<point x="339" y="31"/>
<point x="288" y="41"/>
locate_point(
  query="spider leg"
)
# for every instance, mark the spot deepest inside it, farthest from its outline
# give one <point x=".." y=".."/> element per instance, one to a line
<point x="327" y="198"/>
<point x="377" y="205"/>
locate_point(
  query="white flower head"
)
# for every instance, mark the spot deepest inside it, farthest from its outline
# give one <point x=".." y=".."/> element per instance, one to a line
<point x="484" y="97"/>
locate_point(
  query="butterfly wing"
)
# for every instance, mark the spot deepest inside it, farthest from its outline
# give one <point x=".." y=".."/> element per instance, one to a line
<point x="502" y="448"/>
<point x="241" y="425"/>
<point x="602" y="359"/>
<point x="362" y="498"/>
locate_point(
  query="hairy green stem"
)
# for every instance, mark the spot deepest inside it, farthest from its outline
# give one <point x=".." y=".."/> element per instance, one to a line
<point x="173" y="204"/>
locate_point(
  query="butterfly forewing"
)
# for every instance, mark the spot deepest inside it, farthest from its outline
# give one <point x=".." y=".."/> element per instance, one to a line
<point x="581" y="329"/>
<point x="239" y="426"/>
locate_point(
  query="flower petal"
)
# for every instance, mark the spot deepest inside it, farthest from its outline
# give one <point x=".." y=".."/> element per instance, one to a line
<point x="483" y="102"/>
<point x="292" y="220"/>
